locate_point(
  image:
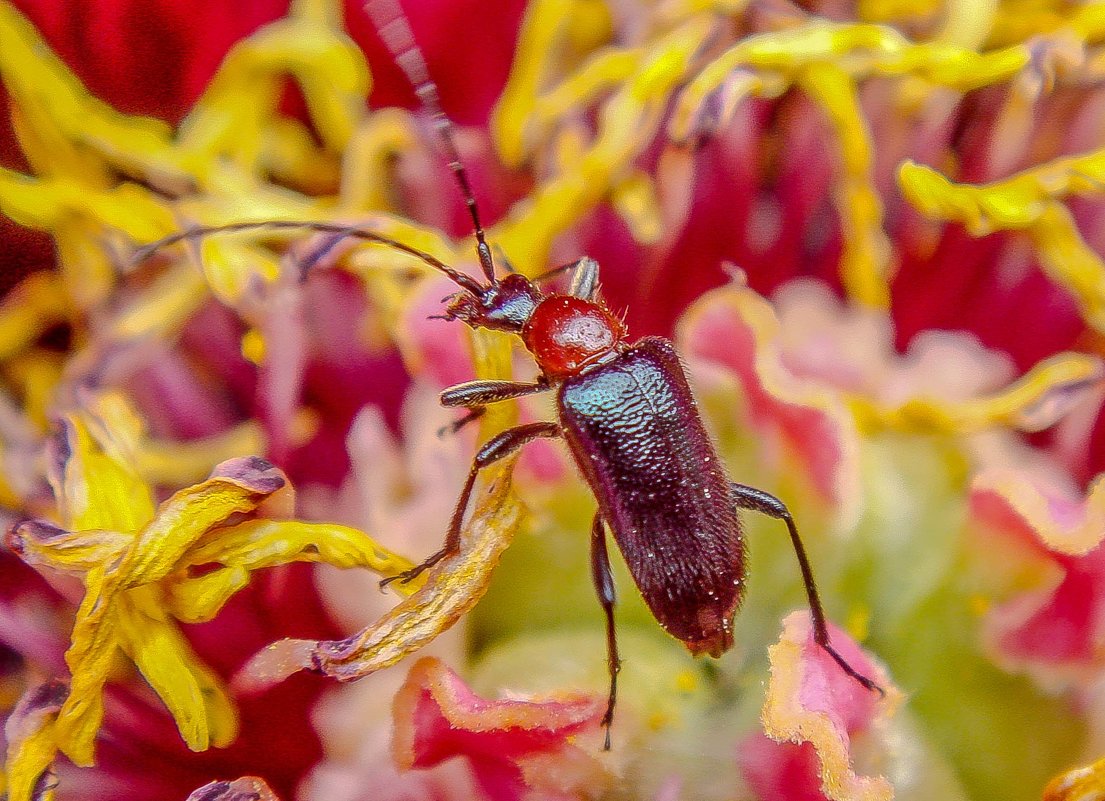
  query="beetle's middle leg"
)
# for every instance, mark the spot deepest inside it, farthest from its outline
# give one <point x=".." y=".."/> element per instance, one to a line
<point x="757" y="500"/>
<point x="604" y="586"/>
<point x="475" y="395"/>
<point x="498" y="447"/>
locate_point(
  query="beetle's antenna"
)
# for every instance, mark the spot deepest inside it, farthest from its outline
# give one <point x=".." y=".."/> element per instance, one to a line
<point x="463" y="281"/>
<point x="394" y="28"/>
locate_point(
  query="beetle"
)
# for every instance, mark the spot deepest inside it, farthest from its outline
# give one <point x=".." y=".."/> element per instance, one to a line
<point x="625" y="410"/>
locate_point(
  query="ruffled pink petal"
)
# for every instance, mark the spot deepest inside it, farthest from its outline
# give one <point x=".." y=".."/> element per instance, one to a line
<point x="515" y="747"/>
<point x="736" y="329"/>
<point x="1056" y="627"/>
<point x="816" y="715"/>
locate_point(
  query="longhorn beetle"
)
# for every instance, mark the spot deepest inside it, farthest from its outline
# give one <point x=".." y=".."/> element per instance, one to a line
<point x="625" y="410"/>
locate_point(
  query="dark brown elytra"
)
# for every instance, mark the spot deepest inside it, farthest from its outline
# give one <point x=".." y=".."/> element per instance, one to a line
<point x="625" y="410"/>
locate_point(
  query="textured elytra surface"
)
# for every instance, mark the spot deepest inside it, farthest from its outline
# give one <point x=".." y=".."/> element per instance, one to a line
<point x="636" y="435"/>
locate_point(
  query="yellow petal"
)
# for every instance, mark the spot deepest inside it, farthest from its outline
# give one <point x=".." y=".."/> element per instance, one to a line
<point x="542" y="27"/>
<point x="176" y="463"/>
<point x="191" y="691"/>
<point x="233" y="117"/>
<point x="367" y="167"/>
<point x="865" y="262"/>
<point x="1027" y="201"/>
<point x="72" y="128"/>
<point x="29" y="731"/>
<point x="34" y="375"/>
<point x="237" y="486"/>
<point x="39" y="542"/>
<point x="1036" y="401"/>
<point x="27" y="310"/>
<point x="257" y="544"/>
<point x="93" y="489"/>
<point x="444" y="593"/>
<point x="627" y="124"/>
<point x="91" y="657"/>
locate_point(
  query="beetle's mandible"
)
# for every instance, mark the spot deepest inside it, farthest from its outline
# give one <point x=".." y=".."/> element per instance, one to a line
<point x="625" y="411"/>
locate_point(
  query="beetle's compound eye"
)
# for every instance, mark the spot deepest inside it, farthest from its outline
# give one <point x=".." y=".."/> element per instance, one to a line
<point x="567" y="333"/>
<point x="504" y="306"/>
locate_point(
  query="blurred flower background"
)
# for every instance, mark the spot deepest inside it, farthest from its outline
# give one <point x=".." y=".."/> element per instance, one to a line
<point x="873" y="231"/>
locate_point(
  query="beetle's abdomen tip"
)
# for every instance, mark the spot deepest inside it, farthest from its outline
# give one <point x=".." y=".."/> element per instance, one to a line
<point x="716" y="640"/>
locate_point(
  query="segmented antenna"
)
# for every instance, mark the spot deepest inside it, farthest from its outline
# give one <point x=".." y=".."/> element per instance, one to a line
<point x="463" y="281"/>
<point x="394" y="28"/>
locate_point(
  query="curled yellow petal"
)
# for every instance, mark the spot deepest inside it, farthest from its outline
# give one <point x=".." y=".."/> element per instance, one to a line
<point x="1036" y="401"/>
<point x="256" y="544"/>
<point x="237" y="486"/>
<point x="628" y="121"/>
<point x="865" y="263"/>
<point x="1028" y="201"/>
<point x="29" y="731"/>
<point x="1070" y="262"/>
<point x="543" y="27"/>
<point x="234" y="116"/>
<point x="39" y="542"/>
<point x="61" y="121"/>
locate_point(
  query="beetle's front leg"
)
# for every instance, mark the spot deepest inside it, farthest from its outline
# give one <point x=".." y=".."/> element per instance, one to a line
<point x="498" y="447"/>
<point x="474" y="395"/>
<point x="756" y="500"/>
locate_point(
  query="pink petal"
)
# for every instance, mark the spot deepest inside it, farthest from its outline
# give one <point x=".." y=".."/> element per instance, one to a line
<point x="514" y="746"/>
<point x="1059" y="623"/>
<point x="814" y="712"/>
<point x="736" y="329"/>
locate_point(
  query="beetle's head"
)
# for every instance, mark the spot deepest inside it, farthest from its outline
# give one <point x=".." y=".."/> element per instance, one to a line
<point x="504" y="305"/>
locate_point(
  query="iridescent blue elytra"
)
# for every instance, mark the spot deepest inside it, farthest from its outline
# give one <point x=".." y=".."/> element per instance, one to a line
<point x="636" y="435"/>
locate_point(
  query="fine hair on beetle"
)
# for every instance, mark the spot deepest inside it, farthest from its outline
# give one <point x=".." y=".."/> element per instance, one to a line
<point x="624" y="409"/>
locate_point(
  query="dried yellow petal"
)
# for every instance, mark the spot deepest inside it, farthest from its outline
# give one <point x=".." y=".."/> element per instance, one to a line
<point x="256" y="544"/>
<point x="29" y="731"/>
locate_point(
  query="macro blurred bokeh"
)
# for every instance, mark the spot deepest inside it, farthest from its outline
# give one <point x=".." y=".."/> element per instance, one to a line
<point x="874" y="232"/>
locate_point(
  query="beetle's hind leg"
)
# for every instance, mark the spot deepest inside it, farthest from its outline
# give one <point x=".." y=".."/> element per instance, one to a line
<point x="604" y="586"/>
<point x="498" y="447"/>
<point x="756" y="500"/>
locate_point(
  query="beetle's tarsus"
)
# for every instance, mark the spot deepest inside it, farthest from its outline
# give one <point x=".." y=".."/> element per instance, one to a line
<point x="851" y="671"/>
<point x="407" y="576"/>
